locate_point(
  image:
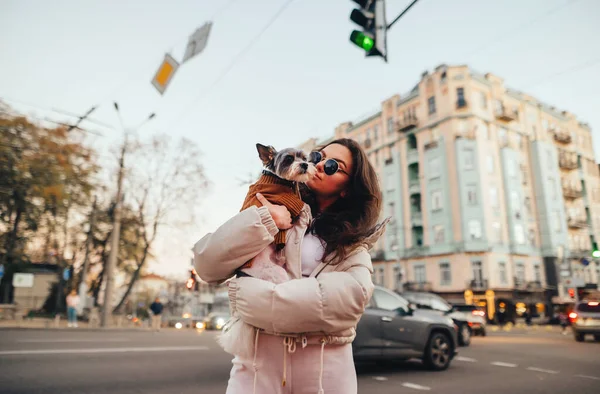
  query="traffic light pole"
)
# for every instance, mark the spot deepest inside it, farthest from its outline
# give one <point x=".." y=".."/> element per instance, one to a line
<point x="401" y="14"/>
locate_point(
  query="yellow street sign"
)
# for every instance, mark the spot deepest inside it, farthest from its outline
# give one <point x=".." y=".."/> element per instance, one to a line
<point x="165" y="73"/>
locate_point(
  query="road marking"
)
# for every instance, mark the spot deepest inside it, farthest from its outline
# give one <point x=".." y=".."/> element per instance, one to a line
<point x="70" y="340"/>
<point x="102" y="350"/>
<point x="380" y="378"/>
<point x="541" y="370"/>
<point x="465" y="359"/>
<point x="587" y="377"/>
<point x="501" y="364"/>
<point x="416" y="386"/>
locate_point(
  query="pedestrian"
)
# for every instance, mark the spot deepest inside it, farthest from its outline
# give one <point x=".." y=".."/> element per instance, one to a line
<point x="563" y="319"/>
<point x="72" y="305"/>
<point x="156" y="308"/>
<point x="304" y="327"/>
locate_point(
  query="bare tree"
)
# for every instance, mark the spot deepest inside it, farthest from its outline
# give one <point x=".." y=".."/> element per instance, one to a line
<point x="165" y="182"/>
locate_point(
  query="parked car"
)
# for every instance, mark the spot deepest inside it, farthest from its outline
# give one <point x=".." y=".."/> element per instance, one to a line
<point x="390" y="329"/>
<point x="215" y="320"/>
<point x="464" y="321"/>
<point x="585" y="319"/>
<point x="478" y="319"/>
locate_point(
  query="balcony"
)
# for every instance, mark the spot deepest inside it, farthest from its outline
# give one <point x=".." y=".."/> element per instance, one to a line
<point x="520" y="284"/>
<point x="578" y="253"/>
<point x="563" y="137"/>
<point x="468" y="135"/>
<point x="407" y="123"/>
<point x="504" y="115"/>
<point x="571" y="193"/>
<point x="418" y="286"/>
<point x="534" y="285"/>
<point x="477" y="285"/>
<point x="580" y="222"/>
<point x="431" y="145"/>
<point x="567" y="160"/>
<point x="416" y="251"/>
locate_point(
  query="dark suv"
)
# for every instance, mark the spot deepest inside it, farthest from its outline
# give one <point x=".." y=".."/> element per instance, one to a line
<point x="390" y="329"/>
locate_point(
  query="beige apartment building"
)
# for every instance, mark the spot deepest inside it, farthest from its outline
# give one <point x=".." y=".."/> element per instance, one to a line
<point x="494" y="195"/>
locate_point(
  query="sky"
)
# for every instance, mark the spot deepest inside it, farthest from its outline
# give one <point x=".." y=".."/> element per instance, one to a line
<point x="295" y="80"/>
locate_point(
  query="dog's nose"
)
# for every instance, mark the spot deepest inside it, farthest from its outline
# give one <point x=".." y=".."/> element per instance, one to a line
<point x="304" y="166"/>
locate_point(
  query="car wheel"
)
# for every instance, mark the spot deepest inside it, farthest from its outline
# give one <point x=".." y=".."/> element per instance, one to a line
<point x="438" y="353"/>
<point x="579" y="337"/>
<point x="597" y="338"/>
<point x="464" y="335"/>
<point x="482" y="332"/>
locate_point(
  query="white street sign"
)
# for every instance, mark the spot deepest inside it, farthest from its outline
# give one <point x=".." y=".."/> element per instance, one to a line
<point x="22" y="280"/>
<point x="574" y="282"/>
<point x="197" y="42"/>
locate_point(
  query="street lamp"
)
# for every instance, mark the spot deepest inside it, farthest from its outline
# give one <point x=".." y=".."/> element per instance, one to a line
<point x="114" y="241"/>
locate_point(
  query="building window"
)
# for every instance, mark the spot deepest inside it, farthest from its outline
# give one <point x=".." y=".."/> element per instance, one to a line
<point x="474" y="229"/>
<point x="490" y="164"/>
<point x="431" y="103"/>
<point x="520" y="272"/>
<point x="469" y="159"/>
<point x="436" y="200"/>
<point x="531" y="237"/>
<point x="380" y="275"/>
<point x="443" y="77"/>
<point x="439" y="235"/>
<point x="527" y="203"/>
<point x="376" y="133"/>
<point x="389" y="181"/>
<point x="537" y="273"/>
<point x="477" y="268"/>
<point x="502" y="136"/>
<point x="434" y="167"/>
<point x="397" y="277"/>
<point x="460" y="98"/>
<point x="445" y="274"/>
<point x="497" y="230"/>
<point x="482" y="100"/>
<point x="493" y="197"/>
<point x="502" y="273"/>
<point x="392" y="210"/>
<point x="390" y="125"/>
<point x="519" y="234"/>
<point x="511" y="167"/>
<point x="515" y="203"/>
<point x="472" y="194"/>
<point x="420" y="274"/>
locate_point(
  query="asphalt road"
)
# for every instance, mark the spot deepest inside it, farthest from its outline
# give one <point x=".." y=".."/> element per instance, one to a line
<point x="186" y="362"/>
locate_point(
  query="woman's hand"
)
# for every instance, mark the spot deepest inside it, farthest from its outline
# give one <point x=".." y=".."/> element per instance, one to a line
<point x="280" y="214"/>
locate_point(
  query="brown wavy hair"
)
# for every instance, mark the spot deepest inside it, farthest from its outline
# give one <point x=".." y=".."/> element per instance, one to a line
<point x="349" y="220"/>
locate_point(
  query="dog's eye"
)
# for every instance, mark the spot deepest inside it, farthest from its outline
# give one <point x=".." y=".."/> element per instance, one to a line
<point x="288" y="160"/>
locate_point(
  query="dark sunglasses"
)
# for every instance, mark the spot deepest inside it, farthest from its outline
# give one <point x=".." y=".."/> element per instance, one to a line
<point x="331" y="165"/>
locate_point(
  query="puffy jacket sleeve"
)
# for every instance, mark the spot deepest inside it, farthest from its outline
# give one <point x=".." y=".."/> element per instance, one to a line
<point x="217" y="255"/>
<point x="331" y="302"/>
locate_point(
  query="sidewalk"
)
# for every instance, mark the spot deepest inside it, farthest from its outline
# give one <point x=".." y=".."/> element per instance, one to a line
<point x="52" y="324"/>
<point x="523" y="327"/>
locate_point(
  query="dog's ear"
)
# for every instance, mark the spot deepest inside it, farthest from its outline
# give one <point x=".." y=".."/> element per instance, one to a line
<point x="265" y="153"/>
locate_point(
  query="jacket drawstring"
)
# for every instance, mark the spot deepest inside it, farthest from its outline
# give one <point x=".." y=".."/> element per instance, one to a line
<point x="254" y="361"/>
<point x="321" y="391"/>
<point x="289" y="345"/>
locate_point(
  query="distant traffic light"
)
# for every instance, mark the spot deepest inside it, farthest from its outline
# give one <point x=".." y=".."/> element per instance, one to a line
<point x="572" y="293"/>
<point x="595" y="250"/>
<point x="191" y="282"/>
<point x="371" y="17"/>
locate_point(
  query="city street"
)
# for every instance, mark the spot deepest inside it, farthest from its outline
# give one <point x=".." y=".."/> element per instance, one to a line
<point x="38" y="361"/>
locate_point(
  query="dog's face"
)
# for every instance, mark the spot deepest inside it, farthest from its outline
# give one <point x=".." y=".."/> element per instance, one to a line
<point x="290" y="164"/>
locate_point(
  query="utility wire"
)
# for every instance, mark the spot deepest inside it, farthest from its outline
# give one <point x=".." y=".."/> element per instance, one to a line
<point x="569" y="70"/>
<point x="234" y="61"/>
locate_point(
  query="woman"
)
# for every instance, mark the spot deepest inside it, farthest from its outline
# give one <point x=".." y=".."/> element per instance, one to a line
<point x="72" y="305"/>
<point x="304" y="327"/>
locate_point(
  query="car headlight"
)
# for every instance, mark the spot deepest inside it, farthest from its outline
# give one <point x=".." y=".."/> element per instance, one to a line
<point x="178" y="325"/>
<point x="199" y="325"/>
<point x="220" y="322"/>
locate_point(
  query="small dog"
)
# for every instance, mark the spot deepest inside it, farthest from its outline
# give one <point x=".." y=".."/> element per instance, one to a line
<point x="278" y="183"/>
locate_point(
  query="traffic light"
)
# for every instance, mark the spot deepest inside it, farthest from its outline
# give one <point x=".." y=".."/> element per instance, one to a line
<point x="595" y="250"/>
<point x="371" y="17"/>
<point x="572" y="293"/>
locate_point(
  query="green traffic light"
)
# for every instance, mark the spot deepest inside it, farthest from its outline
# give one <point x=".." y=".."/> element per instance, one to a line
<point x="596" y="254"/>
<point x="362" y="40"/>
